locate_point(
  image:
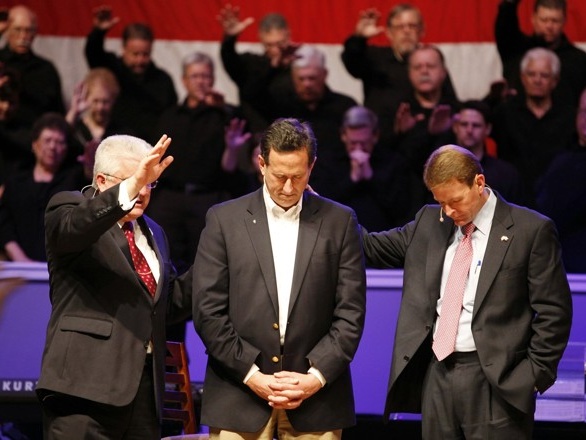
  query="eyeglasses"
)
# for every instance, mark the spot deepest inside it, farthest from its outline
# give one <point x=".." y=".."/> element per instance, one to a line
<point x="148" y="185"/>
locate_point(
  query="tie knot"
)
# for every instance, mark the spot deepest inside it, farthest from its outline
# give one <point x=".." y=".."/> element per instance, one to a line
<point x="468" y="229"/>
<point x="127" y="226"/>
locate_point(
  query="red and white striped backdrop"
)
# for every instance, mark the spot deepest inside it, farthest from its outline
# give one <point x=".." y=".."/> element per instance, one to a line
<point x="462" y="28"/>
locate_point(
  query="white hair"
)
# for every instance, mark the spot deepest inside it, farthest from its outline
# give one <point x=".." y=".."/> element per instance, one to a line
<point x="309" y="56"/>
<point x="118" y="149"/>
<point x="538" y="53"/>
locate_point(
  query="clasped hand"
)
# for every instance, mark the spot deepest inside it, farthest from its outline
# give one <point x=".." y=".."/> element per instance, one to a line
<point x="284" y="389"/>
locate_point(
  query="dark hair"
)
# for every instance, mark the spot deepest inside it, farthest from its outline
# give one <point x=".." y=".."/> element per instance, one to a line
<point x="52" y="121"/>
<point x="288" y="134"/>
<point x="451" y="162"/>
<point x="139" y="31"/>
<point x="272" y="21"/>
<point x="479" y="106"/>
<point x="551" y="4"/>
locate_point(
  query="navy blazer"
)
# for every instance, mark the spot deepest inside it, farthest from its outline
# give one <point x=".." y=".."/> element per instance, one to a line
<point x="522" y="309"/>
<point x="235" y="311"/>
<point x="102" y="315"/>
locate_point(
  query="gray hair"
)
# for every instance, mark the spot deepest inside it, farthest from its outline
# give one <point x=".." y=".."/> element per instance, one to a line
<point x="360" y="117"/>
<point x="118" y="149"/>
<point x="197" y="58"/>
<point x="309" y="56"/>
<point x="538" y="53"/>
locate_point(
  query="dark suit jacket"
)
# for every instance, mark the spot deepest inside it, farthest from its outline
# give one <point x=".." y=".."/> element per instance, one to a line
<point x="102" y="315"/>
<point x="236" y="311"/>
<point x="522" y="311"/>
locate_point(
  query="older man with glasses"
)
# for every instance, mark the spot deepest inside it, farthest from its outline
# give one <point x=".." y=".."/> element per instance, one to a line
<point x="113" y="288"/>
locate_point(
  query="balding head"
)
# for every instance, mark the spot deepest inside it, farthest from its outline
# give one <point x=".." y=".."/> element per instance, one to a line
<point x="22" y="29"/>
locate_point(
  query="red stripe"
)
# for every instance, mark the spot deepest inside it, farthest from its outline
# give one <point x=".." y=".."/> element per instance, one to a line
<point x="323" y="21"/>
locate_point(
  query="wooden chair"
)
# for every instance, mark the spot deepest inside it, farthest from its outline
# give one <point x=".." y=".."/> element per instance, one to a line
<point x="178" y="401"/>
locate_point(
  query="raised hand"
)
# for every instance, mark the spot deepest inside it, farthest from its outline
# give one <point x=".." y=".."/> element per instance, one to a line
<point x="230" y="20"/>
<point x="235" y="138"/>
<point x="234" y="135"/>
<point x="367" y="26"/>
<point x="103" y="19"/>
<point x="79" y="103"/>
<point x="150" y="167"/>
<point x="440" y="119"/>
<point x="404" y="120"/>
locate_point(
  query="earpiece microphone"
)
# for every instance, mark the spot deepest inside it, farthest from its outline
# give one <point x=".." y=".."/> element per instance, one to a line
<point x="441" y="219"/>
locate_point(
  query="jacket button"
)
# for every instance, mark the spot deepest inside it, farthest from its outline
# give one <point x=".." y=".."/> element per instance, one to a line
<point x="276" y="326"/>
<point x="275" y="359"/>
<point x="406" y="358"/>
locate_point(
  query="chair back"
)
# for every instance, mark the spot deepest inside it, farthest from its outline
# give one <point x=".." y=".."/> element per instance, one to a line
<point x="178" y="400"/>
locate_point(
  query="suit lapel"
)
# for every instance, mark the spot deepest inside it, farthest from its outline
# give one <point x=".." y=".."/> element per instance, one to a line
<point x="436" y="251"/>
<point x="309" y="226"/>
<point x="500" y="237"/>
<point x="258" y="232"/>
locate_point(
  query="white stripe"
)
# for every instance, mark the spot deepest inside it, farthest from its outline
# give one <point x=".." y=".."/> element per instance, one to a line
<point x="473" y="66"/>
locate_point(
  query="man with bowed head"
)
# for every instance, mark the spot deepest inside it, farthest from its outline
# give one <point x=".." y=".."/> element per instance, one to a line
<point x="486" y="309"/>
<point x="113" y="288"/>
<point x="279" y="302"/>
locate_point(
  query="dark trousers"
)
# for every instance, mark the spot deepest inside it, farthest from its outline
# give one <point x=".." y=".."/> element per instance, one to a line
<point x="459" y="403"/>
<point x="70" y="418"/>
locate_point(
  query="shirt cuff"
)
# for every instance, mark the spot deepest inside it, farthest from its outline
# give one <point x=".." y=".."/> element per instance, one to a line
<point x="317" y="373"/>
<point x="252" y="370"/>
<point x="125" y="203"/>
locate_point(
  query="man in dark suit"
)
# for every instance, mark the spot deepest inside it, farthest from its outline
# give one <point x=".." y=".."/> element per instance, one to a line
<point x="103" y="364"/>
<point x="515" y="311"/>
<point x="279" y="301"/>
<point x="146" y="90"/>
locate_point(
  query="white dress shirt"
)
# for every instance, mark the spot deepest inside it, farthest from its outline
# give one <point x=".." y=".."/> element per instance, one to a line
<point x="483" y="223"/>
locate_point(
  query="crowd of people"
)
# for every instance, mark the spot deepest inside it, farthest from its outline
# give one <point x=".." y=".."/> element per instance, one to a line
<point x="410" y="108"/>
<point x="271" y="249"/>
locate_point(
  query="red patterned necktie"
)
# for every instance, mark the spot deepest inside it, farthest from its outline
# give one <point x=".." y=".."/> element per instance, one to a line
<point x="445" y="337"/>
<point x="140" y="263"/>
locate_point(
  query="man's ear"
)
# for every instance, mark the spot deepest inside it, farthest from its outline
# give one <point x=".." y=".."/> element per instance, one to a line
<point x="261" y="164"/>
<point x="101" y="182"/>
